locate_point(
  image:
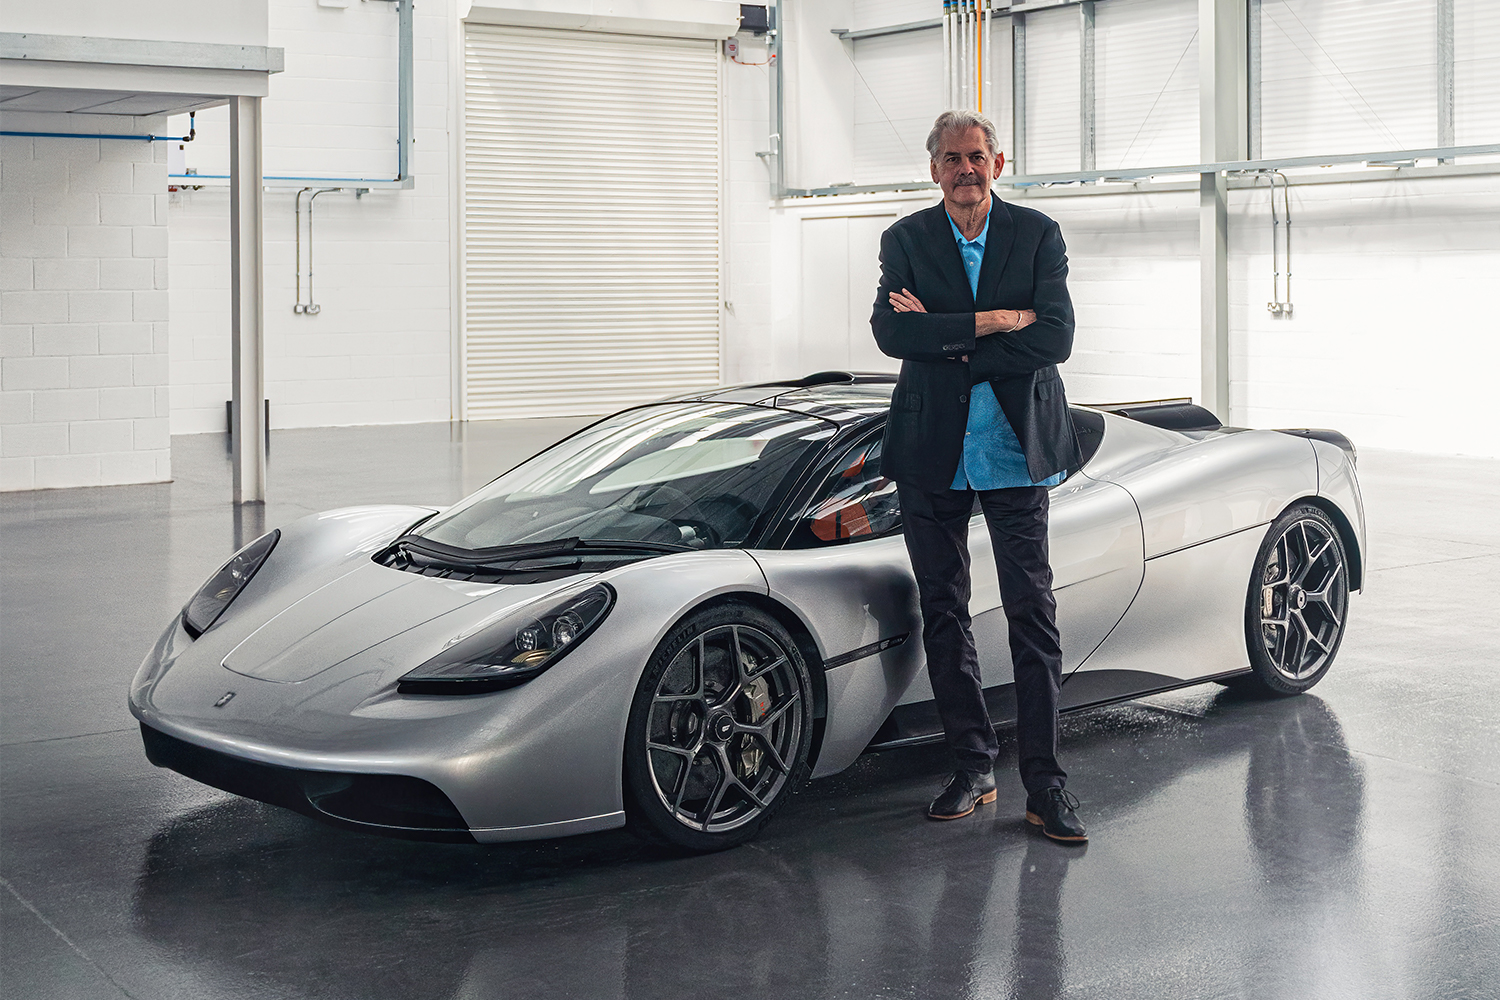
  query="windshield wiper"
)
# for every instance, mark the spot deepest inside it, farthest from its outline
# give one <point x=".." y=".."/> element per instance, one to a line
<point x="573" y="546"/>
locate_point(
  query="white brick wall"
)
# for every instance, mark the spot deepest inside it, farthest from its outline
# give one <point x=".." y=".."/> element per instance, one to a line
<point x="379" y="351"/>
<point x="1394" y="337"/>
<point x="83" y="397"/>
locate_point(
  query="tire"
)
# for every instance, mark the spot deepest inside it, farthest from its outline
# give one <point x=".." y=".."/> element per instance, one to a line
<point x="719" y="730"/>
<point x="1297" y="603"/>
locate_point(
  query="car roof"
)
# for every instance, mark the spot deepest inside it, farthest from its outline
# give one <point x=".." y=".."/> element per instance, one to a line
<point x="841" y="396"/>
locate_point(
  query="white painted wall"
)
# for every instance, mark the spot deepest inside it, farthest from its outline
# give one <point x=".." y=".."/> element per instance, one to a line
<point x="380" y="350"/>
<point x="800" y="276"/>
<point x="1394" y="337"/>
<point x="224" y="22"/>
<point x="83" y="303"/>
<point x="819" y="105"/>
<point x="749" y="296"/>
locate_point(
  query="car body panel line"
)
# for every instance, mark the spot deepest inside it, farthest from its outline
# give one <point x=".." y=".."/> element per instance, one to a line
<point x="1208" y="541"/>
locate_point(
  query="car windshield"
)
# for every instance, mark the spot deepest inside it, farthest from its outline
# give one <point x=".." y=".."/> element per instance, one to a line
<point x="668" y="477"/>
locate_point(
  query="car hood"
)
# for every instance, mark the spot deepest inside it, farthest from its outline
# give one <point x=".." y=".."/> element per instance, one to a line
<point x="346" y="616"/>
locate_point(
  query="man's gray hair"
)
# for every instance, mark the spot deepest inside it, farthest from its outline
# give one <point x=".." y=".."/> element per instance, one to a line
<point x="961" y="121"/>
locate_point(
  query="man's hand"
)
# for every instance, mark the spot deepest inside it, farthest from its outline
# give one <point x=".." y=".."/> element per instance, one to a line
<point x="905" y="302"/>
<point x="1002" y="321"/>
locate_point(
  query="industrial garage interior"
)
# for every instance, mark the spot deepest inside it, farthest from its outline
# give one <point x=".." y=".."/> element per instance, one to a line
<point x="264" y="259"/>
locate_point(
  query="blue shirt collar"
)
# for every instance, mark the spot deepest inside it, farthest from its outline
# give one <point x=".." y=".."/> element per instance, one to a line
<point x="977" y="241"/>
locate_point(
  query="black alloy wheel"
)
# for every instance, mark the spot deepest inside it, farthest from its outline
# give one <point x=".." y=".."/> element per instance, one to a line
<point x="719" y="730"/>
<point x="1297" y="603"/>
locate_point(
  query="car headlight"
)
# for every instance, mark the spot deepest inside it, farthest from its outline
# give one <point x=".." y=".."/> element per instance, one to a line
<point x="511" y="654"/>
<point x="225" y="585"/>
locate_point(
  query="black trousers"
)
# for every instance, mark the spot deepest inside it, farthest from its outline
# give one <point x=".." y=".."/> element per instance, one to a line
<point x="936" y="526"/>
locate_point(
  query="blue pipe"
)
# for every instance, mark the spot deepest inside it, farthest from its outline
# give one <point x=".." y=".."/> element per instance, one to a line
<point x="88" y="135"/>
<point x="277" y="177"/>
<point x="192" y="134"/>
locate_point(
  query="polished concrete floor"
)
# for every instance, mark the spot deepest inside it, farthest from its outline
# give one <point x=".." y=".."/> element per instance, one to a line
<point x="1341" y="844"/>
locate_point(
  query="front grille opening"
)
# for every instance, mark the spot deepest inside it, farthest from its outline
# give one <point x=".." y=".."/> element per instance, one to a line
<point x="393" y="804"/>
<point x="382" y="800"/>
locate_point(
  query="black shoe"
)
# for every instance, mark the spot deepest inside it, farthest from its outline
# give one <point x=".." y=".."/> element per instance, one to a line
<point x="964" y="791"/>
<point x="1052" y="810"/>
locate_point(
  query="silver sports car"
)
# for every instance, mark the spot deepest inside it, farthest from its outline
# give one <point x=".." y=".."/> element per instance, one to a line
<point x="669" y="619"/>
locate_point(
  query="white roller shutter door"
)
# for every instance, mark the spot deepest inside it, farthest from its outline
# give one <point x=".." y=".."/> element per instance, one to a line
<point x="592" y="219"/>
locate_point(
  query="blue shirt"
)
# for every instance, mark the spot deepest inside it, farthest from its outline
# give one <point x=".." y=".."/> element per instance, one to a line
<point x="993" y="458"/>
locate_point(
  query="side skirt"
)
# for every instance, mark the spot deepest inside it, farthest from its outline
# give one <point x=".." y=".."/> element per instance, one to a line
<point x="918" y="723"/>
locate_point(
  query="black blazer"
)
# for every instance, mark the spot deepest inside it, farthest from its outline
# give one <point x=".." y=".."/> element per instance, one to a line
<point x="1025" y="267"/>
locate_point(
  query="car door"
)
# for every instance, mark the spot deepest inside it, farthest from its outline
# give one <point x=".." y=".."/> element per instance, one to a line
<point x="846" y="572"/>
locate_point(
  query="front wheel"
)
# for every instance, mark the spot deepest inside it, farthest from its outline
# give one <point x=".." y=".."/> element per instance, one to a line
<point x="719" y="730"/>
<point x="1297" y="603"/>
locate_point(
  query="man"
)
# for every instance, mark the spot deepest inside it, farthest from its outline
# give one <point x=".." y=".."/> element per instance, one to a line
<point x="974" y="301"/>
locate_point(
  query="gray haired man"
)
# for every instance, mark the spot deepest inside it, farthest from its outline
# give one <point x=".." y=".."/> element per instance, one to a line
<point x="973" y="300"/>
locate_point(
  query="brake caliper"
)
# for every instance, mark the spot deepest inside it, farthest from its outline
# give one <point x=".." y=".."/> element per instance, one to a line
<point x="757" y="700"/>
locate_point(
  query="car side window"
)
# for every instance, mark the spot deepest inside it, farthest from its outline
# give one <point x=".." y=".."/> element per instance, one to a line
<point x="854" y="502"/>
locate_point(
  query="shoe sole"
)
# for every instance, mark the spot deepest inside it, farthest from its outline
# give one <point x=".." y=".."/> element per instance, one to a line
<point x="983" y="800"/>
<point x="1036" y="820"/>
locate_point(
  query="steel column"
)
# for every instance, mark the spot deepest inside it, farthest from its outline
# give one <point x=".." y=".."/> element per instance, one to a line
<point x="1018" y="92"/>
<point x="1086" y="94"/>
<point x="1222" y="112"/>
<point x="405" y="93"/>
<point x="247" y="302"/>
<point x="1253" y="79"/>
<point x="776" y="56"/>
<point x="1445" y="74"/>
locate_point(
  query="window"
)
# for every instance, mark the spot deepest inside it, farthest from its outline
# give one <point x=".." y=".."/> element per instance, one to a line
<point x="696" y="475"/>
<point x="855" y="502"/>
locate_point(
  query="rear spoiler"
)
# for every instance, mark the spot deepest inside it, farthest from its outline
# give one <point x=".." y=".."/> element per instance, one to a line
<point x="1324" y="434"/>
<point x="1179" y="414"/>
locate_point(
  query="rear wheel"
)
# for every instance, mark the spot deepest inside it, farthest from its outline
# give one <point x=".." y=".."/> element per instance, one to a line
<point x="1297" y="603"/>
<point x="719" y="730"/>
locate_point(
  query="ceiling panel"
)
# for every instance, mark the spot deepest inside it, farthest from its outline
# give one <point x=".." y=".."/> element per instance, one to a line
<point x="53" y="100"/>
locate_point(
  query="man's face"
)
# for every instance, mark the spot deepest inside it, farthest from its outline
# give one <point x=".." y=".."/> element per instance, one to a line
<point x="964" y="167"/>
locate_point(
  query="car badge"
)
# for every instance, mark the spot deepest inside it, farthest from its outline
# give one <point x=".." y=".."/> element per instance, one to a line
<point x="226" y="699"/>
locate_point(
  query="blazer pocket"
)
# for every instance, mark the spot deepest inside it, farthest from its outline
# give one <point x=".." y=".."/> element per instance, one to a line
<point x="1046" y="388"/>
<point x="908" y="402"/>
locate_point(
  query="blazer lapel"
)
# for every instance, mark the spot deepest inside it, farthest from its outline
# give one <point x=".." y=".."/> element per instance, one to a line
<point x="997" y="246"/>
<point x="951" y="262"/>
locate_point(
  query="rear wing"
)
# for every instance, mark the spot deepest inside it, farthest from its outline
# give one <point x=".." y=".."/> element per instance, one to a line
<point x="1179" y="414"/>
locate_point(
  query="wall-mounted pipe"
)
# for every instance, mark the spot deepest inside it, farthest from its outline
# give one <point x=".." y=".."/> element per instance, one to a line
<point x="192" y="134"/>
<point x="405" y="139"/>
<point x="310" y="307"/>
<point x="987" y="83"/>
<point x="1286" y="238"/>
<point x="967" y="59"/>
<point x="1281" y="242"/>
<point x="947" y="54"/>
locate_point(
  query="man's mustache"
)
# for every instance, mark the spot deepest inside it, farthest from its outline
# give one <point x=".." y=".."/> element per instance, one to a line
<point x="968" y="180"/>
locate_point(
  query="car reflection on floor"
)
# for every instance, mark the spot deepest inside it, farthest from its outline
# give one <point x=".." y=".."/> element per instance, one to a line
<point x="849" y="893"/>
